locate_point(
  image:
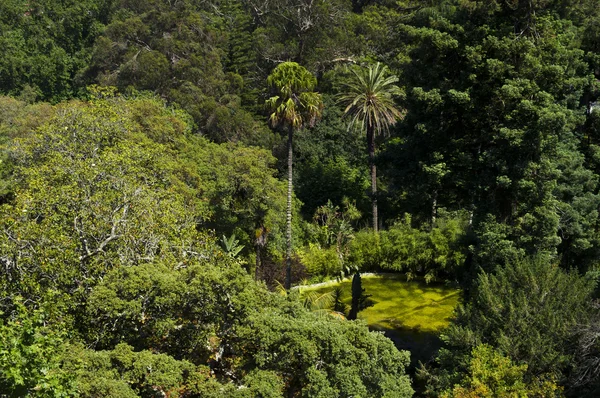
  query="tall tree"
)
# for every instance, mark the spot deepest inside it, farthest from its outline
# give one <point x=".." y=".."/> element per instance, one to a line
<point x="528" y="310"/>
<point x="293" y="105"/>
<point x="370" y="105"/>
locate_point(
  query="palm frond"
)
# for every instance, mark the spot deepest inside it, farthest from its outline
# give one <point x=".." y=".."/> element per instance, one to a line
<point x="316" y="301"/>
<point x="280" y="289"/>
<point x="369" y="99"/>
<point x="294" y="102"/>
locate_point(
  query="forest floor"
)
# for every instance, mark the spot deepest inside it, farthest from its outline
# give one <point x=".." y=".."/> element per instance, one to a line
<point x="411" y="314"/>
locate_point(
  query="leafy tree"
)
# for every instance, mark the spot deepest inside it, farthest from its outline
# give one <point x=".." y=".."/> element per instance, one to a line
<point x="492" y="375"/>
<point x="178" y="51"/>
<point x="243" y="194"/>
<point x="216" y="315"/>
<point x="32" y="353"/>
<point x="115" y="181"/>
<point x="88" y="197"/>
<point x="370" y="106"/>
<point x="317" y="355"/>
<point x="122" y="372"/>
<point x="528" y="311"/>
<point x="47" y="45"/>
<point x="294" y="105"/>
<point x="17" y="119"/>
<point x="311" y="33"/>
<point x="486" y="132"/>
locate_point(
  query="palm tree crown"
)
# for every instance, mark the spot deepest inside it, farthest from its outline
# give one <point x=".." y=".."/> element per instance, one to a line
<point x="369" y="98"/>
<point x="294" y="103"/>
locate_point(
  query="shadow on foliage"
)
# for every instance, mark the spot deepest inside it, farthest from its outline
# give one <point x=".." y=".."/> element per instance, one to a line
<point x="423" y="345"/>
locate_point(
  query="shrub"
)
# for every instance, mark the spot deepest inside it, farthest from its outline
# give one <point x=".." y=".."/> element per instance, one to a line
<point x="417" y="252"/>
<point x="320" y="261"/>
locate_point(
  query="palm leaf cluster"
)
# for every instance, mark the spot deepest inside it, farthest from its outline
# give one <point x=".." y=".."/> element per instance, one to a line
<point x="369" y="99"/>
<point x="295" y="102"/>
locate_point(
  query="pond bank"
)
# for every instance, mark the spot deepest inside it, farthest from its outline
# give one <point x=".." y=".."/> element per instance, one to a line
<point x="334" y="282"/>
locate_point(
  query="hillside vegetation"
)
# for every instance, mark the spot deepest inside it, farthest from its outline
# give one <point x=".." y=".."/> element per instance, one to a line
<point x="170" y="168"/>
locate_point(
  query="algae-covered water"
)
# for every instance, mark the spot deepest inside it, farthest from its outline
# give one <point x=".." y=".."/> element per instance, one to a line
<point x="412" y="314"/>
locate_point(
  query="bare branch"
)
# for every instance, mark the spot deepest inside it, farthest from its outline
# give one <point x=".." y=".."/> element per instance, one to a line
<point x="113" y="235"/>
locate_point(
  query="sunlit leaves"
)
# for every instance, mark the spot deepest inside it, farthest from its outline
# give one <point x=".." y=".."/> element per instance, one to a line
<point x="295" y="103"/>
<point x="368" y="98"/>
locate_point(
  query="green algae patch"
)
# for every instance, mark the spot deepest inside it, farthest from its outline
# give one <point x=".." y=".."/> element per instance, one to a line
<point x="401" y="305"/>
<point x="411" y="314"/>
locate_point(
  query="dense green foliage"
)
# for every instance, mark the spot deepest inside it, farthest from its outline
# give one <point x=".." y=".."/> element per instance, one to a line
<point x="433" y="252"/>
<point x="528" y="310"/>
<point x="493" y="375"/>
<point x="113" y="285"/>
<point x="141" y="185"/>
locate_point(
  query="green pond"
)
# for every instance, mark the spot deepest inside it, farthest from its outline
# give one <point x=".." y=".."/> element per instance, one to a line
<point x="411" y="314"/>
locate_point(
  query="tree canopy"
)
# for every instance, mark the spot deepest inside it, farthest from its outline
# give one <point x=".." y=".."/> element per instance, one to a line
<point x="146" y="228"/>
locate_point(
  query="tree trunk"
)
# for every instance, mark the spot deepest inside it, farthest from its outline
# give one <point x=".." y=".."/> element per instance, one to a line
<point x="371" y="141"/>
<point x="257" y="269"/>
<point x="260" y="242"/>
<point x="288" y="255"/>
<point x="434" y="208"/>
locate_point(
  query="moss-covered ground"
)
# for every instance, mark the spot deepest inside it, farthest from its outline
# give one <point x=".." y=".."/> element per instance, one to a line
<point x="412" y="314"/>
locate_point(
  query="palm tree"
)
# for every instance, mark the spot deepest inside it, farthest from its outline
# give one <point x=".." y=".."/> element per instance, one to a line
<point x="293" y="106"/>
<point x="370" y="106"/>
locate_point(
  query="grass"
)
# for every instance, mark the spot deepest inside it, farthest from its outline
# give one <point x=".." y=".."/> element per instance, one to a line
<point x="410" y="313"/>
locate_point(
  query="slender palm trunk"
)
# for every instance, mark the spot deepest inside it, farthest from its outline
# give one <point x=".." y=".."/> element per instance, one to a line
<point x="434" y="208"/>
<point x="288" y="255"/>
<point x="371" y="140"/>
